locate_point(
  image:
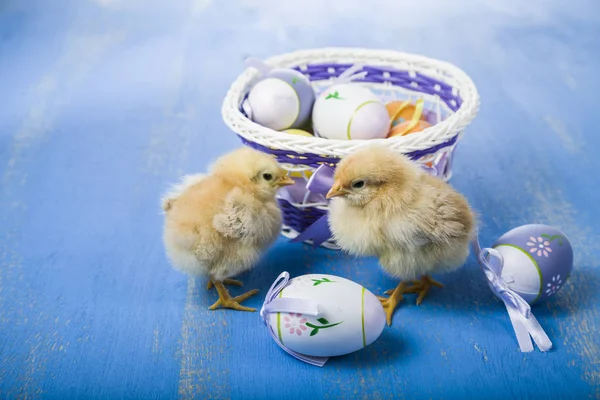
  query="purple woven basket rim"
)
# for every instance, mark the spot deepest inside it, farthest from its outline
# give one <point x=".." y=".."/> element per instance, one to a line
<point x="375" y="74"/>
<point x="315" y="160"/>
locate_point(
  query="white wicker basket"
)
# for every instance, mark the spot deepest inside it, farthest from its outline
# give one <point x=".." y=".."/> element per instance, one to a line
<point x="447" y="92"/>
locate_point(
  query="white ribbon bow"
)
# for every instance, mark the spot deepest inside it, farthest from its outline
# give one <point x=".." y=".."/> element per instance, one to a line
<point x="524" y="323"/>
<point x="273" y="304"/>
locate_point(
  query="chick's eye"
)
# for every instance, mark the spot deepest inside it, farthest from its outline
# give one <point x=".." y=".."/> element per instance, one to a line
<point x="267" y="176"/>
<point x="358" y="184"/>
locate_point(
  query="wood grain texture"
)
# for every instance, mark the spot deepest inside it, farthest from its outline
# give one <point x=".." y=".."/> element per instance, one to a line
<point x="106" y="102"/>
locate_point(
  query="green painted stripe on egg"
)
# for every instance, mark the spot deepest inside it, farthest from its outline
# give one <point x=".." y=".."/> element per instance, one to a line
<point x="298" y="110"/>
<point x="279" y="320"/>
<point x="353" y="114"/>
<point x="539" y="271"/>
<point x="363" y="317"/>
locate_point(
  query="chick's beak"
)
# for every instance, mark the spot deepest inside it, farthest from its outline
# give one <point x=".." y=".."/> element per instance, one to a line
<point x="285" y="181"/>
<point x="336" y="190"/>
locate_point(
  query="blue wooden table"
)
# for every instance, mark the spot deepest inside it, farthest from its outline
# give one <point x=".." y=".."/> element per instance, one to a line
<point x="106" y="102"/>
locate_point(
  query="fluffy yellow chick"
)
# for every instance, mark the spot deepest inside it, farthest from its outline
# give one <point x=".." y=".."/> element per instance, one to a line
<point x="218" y="225"/>
<point x="384" y="205"/>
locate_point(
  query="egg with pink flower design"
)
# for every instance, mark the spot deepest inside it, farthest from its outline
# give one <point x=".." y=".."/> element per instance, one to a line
<point x="350" y="317"/>
<point x="537" y="260"/>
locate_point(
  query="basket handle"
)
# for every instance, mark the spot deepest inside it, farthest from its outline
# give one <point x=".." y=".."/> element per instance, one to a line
<point x="261" y="66"/>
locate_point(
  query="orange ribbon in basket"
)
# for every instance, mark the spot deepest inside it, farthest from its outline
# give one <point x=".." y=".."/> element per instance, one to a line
<point x="415" y="118"/>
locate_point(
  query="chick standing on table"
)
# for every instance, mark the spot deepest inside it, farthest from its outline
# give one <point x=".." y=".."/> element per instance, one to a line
<point x="219" y="224"/>
<point x="386" y="206"/>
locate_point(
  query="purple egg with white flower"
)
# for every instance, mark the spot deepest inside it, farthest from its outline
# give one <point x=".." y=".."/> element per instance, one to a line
<point x="283" y="99"/>
<point x="538" y="260"/>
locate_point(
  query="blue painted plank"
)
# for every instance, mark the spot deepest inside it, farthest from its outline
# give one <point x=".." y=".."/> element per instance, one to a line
<point x="106" y="102"/>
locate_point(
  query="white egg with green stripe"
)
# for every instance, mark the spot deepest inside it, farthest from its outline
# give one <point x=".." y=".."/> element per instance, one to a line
<point x="350" y="111"/>
<point x="283" y="99"/>
<point x="350" y="317"/>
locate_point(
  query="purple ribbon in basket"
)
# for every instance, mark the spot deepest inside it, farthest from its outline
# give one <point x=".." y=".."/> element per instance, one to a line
<point x="322" y="180"/>
<point x="525" y="325"/>
<point x="273" y="304"/>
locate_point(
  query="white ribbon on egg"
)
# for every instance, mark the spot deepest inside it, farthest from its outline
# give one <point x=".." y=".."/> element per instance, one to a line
<point x="273" y="304"/>
<point x="524" y="323"/>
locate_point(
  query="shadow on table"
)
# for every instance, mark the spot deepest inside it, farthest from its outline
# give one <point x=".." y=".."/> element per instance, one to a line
<point x="392" y="347"/>
<point x="467" y="290"/>
<point x="297" y="259"/>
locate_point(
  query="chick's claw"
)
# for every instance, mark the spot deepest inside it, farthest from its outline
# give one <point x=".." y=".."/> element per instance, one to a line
<point x="390" y="303"/>
<point x="422" y="287"/>
<point x="226" y="301"/>
<point x="234" y="303"/>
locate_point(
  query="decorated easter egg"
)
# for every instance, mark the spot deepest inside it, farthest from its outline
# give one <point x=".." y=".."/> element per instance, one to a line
<point x="537" y="260"/>
<point x="350" y="111"/>
<point x="282" y="100"/>
<point x="299" y="132"/>
<point x="401" y="111"/>
<point x="350" y="317"/>
<point x="405" y="129"/>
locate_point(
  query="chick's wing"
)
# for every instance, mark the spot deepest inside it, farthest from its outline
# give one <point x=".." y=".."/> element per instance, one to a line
<point x="447" y="216"/>
<point x="237" y="217"/>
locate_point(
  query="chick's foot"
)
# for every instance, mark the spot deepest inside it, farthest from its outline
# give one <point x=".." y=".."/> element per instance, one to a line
<point x="232" y="282"/>
<point x="390" y="303"/>
<point x="422" y="287"/>
<point x="226" y="301"/>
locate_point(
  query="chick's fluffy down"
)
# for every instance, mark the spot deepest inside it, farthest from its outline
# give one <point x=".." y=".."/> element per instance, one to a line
<point x="414" y="223"/>
<point x="219" y="224"/>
